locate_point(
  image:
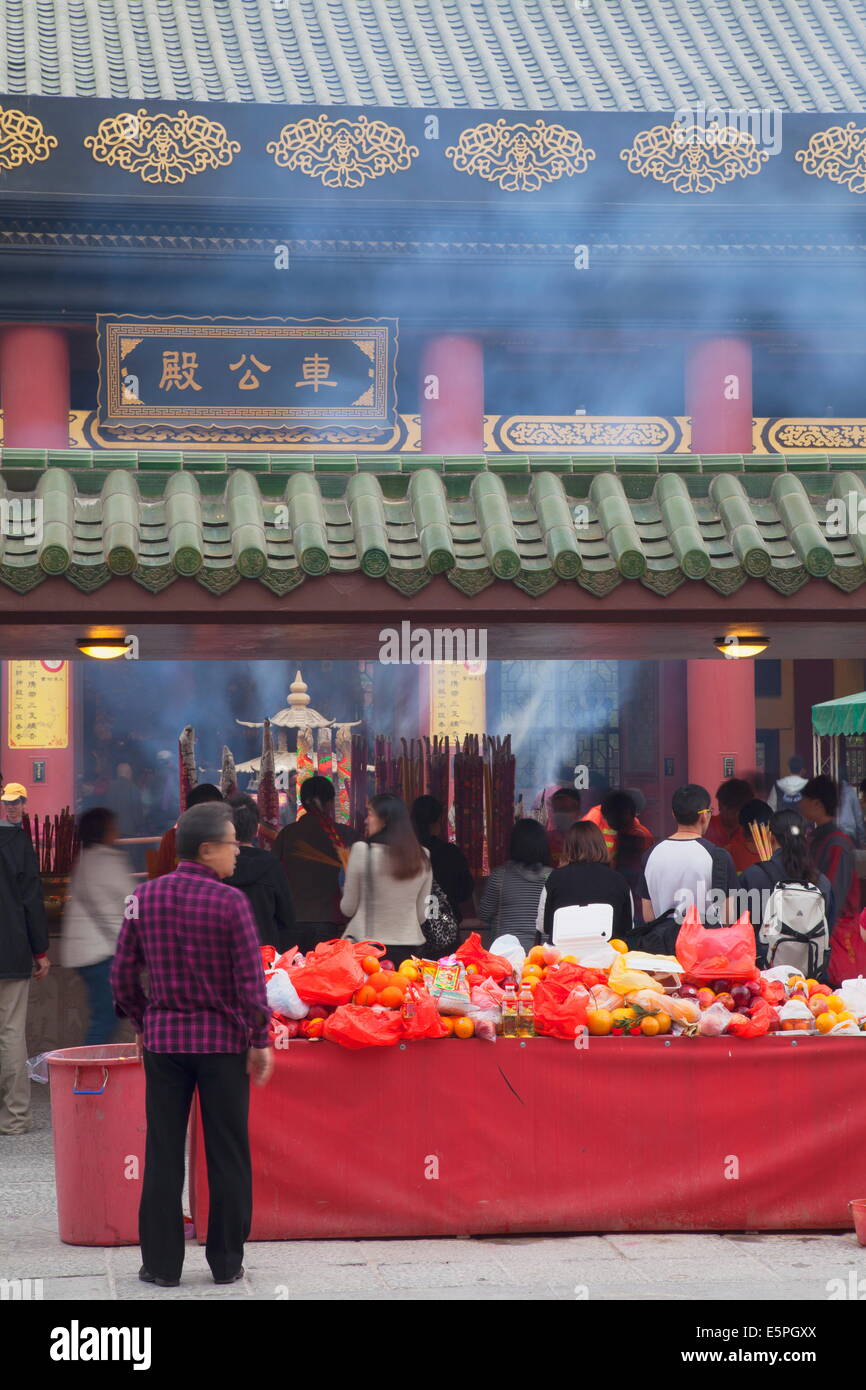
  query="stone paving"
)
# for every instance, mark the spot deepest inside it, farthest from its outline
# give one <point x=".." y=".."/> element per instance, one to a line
<point x="594" y="1267"/>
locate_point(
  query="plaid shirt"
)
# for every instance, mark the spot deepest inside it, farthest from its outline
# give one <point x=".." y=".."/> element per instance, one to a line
<point x="197" y="940"/>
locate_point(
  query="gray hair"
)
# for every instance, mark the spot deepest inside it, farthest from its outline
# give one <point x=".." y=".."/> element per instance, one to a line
<point x="207" y="821"/>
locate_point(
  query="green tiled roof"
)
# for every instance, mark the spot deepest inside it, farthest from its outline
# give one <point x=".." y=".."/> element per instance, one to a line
<point x="714" y="524"/>
<point x="607" y="55"/>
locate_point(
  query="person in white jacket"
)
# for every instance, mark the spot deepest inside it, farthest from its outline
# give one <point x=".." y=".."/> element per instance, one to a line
<point x="388" y="882"/>
<point x="99" y="888"/>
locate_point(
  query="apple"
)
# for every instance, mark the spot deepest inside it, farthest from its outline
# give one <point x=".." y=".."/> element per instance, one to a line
<point x="741" y="996"/>
<point x="722" y="986"/>
<point x="387" y="965"/>
<point x="727" y="999"/>
<point x="753" y="986"/>
<point x="551" y="955"/>
<point x="317" y="1011"/>
<point x="705" y="997"/>
<point x="687" y="992"/>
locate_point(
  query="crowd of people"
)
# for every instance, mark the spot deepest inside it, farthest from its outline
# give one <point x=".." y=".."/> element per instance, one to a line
<point x="221" y="889"/>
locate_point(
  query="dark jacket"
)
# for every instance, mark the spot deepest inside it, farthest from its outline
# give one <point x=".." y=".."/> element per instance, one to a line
<point x="304" y="849"/>
<point x="260" y="876"/>
<point x="451" y="872"/>
<point x="23" y="927"/>
<point x="833" y="853"/>
<point x="580" y="885"/>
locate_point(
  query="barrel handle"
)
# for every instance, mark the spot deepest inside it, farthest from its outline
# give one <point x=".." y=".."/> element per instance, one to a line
<point x="77" y="1092"/>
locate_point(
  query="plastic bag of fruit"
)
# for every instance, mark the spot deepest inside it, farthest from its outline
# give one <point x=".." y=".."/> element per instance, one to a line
<point x="356" y="1026"/>
<point x="714" y="1021"/>
<point x="510" y="949"/>
<point x="759" y="1020"/>
<point x="680" y="1010"/>
<point x="485" y="1021"/>
<point x="331" y="974"/>
<point x="602" y="997"/>
<point x="847" y="1028"/>
<point x="426" y="1021"/>
<point x="624" y="980"/>
<point x="487" y="995"/>
<point x="853" y="996"/>
<point x="473" y="953"/>
<point x="796" y="1015"/>
<point x="560" y="1007"/>
<point x="716" y="953"/>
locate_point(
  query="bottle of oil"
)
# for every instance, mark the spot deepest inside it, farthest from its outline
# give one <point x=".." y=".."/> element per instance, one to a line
<point x="509" y="1012"/>
<point x="526" y="1015"/>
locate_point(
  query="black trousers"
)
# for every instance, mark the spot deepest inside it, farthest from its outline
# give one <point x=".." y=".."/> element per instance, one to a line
<point x="224" y="1094"/>
<point x="309" y="934"/>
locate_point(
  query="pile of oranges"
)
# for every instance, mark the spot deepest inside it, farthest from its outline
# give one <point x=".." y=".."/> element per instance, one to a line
<point x="826" y="1008"/>
<point x="386" y="987"/>
<point x="627" y="1019"/>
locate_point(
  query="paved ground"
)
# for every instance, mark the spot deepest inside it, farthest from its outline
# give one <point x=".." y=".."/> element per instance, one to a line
<point x="679" y="1267"/>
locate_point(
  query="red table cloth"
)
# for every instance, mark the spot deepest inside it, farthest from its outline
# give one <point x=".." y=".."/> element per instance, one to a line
<point x="626" y="1134"/>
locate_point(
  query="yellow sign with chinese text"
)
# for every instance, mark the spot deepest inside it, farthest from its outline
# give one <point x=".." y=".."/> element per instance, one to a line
<point x="457" y="698"/>
<point x="37" y="704"/>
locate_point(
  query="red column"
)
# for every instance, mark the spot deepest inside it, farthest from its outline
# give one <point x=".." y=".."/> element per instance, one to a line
<point x="721" y="696"/>
<point x="34" y="386"/>
<point x="719" y="395"/>
<point x="452" y="396"/>
<point x="721" y="693"/>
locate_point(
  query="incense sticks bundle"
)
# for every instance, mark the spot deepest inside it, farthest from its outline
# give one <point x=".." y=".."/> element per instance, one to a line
<point x="761" y="840"/>
<point x="55" y="842"/>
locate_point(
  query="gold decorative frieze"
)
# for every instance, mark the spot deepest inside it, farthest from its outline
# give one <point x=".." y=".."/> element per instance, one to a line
<point x="343" y="153"/>
<point x="837" y="154"/>
<point x="22" y="139"/>
<point x="787" y="436"/>
<point x="162" y="148"/>
<point x="552" y="433"/>
<point x="520" y="157"/>
<point x="694" y="160"/>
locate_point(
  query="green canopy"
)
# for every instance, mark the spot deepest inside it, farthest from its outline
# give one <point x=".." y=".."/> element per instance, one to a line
<point x="845" y="716"/>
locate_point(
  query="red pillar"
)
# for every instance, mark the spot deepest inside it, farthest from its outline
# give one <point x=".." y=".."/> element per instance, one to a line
<point x="719" y="395"/>
<point x="721" y="693"/>
<point x="452" y="396"/>
<point x="34" y="386"/>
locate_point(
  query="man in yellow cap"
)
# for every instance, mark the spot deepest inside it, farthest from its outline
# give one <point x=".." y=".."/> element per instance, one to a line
<point x="23" y="952"/>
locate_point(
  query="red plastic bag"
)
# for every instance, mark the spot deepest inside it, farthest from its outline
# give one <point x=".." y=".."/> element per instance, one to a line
<point x="560" y="1007"/>
<point x="363" y="949"/>
<point x="473" y="953"/>
<point x="331" y="975"/>
<point x="773" y="991"/>
<point x="716" y="953"/>
<point x="427" y="1022"/>
<point x="355" y="1026"/>
<point x="759" y="1022"/>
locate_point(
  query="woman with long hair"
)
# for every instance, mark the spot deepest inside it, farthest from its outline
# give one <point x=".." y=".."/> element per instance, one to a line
<point x="100" y="884"/>
<point x="585" y="879"/>
<point x="388" y="881"/>
<point x="509" y="903"/>
<point x="447" y="860"/>
<point x="791" y="862"/>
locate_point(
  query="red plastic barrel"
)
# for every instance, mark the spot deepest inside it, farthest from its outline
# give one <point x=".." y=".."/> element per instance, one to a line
<point x="97" y="1115"/>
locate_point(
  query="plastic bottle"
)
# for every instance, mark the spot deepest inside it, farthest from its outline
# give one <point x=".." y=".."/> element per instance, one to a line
<point x="526" y="1015"/>
<point x="509" y="1012"/>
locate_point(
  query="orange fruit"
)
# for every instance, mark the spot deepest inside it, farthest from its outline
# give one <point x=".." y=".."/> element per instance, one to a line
<point x="409" y="971"/>
<point x="391" y="997"/>
<point x="530" y="982"/>
<point x="569" y="960"/>
<point x="472" y="968"/>
<point x="448" y="1024"/>
<point x="834" y="1003"/>
<point x="599" y="1022"/>
<point x="365" y="995"/>
<point x="536" y="970"/>
<point x="379" y="981"/>
<point x="618" y="945"/>
<point x="625" y="1014"/>
<point x="395" y="979"/>
<point x="536" y="956"/>
<point x="370" y="964"/>
<point x="845" y="1014"/>
<point x="796" y="984"/>
<point x="649" y="1026"/>
<point x="463" y="1028"/>
<point x="664" y="1022"/>
<point x="825" y="1021"/>
<point x="811" y="984"/>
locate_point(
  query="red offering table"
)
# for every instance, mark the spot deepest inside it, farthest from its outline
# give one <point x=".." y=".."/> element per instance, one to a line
<point x="628" y="1134"/>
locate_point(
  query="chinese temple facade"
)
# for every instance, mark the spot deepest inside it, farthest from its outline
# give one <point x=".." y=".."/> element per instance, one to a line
<point x="541" y="320"/>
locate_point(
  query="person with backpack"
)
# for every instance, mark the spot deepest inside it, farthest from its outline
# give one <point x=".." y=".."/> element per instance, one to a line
<point x="785" y="794"/>
<point x="832" y="850"/>
<point x="790" y="902"/>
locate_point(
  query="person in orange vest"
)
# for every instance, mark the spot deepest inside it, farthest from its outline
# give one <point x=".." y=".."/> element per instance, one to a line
<point x="616" y="816"/>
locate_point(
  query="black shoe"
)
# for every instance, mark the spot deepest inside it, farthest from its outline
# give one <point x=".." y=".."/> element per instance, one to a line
<point x="147" y="1278"/>
<point x="232" y="1279"/>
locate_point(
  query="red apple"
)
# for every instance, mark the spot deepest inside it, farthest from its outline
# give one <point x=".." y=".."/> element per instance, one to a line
<point x="687" y="992"/>
<point x="705" y="997"/>
<point x="727" y="999"/>
<point x="387" y="965"/>
<point x="741" y="996"/>
<point x="753" y="986"/>
<point x="722" y="986"/>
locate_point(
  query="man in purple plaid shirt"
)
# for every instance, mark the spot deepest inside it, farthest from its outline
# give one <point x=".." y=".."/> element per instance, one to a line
<point x="204" y="1025"/>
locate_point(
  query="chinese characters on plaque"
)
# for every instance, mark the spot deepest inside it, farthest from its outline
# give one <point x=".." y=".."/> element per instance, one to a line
<point x="37" y="704"/>
<point x="457" y="698"/>
<point x="214" y="374"/>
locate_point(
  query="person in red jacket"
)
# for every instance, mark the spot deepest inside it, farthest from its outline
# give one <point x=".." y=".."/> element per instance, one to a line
<point x="166" y="855"/>
<point x="833" y="853"/>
